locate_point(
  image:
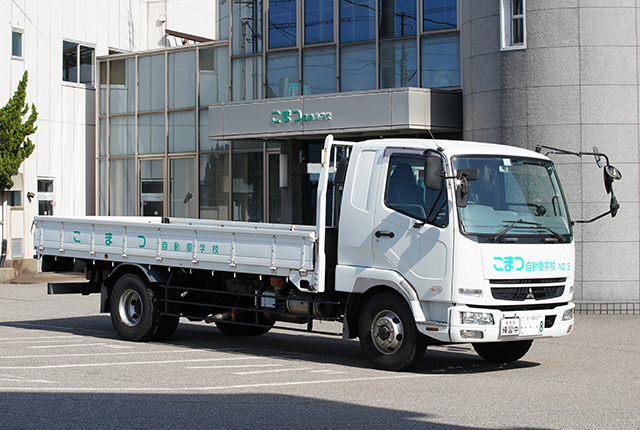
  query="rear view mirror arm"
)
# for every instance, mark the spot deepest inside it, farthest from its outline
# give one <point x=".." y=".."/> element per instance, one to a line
<point x="610" y="174"/>
<point x="553" y="150"/>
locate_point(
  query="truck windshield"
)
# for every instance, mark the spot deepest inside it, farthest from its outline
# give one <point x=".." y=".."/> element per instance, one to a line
<point x="513" y="197"/>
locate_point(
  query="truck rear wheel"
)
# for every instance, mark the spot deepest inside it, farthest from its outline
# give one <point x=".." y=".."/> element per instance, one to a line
<point x="167" y="325"/>
<point x="133" y="307"/>
<point x="503" y="352"/>
<point x="388" y="333"/>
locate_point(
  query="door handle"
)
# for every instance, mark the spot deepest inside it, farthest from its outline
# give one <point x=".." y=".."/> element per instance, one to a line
<point x="385" y="233"/>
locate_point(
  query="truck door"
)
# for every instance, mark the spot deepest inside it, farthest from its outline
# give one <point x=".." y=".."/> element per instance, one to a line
<point x="412" y="233"/>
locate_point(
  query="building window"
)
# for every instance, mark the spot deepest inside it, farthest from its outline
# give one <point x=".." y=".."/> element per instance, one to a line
<point x="318" y="21"/>
<point x="440" y="15"/>
<point x="282" y="75"/>
<point x="151" y="89"/>
<point x="122" y="186"/>
<point x="357" y="20"/>
<point x="247" y="27"/>
<point x="45" y="197"/>
<point x="319" y="71"/>
<point x="398" y="64"/>
<point x="397" y="18"/>
<point x="440" y="62"/>
<point x="15" y="199"/>
<point x="247" y="78"/>
<point x="77" y="63"/>
<point x="513" y="31"/>
<point x="247" y="185"/>
<point x="358" y="68"/>
<point x="16" y="43"/>
<point x="282" y="23"/>
<point x="16" y="248"/>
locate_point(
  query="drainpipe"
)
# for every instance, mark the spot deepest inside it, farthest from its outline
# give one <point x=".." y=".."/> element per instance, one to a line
<point x="3" y="255"/>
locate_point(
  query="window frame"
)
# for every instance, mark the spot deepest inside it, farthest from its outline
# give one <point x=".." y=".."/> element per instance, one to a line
<point x="46" y="194"/>
<point x="507" y="20"/>
<point x="443" y="193"/>
<point x="14" y="32"/>
<point x="78" y="64"/>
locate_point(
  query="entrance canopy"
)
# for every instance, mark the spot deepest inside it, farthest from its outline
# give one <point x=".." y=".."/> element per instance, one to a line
<point x="379" y="111"/>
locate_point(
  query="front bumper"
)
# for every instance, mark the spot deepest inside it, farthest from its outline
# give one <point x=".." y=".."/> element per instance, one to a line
<point x="516" y="325"/>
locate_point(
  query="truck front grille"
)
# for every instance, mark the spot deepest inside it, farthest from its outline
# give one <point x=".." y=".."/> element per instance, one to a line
<point x="524" y="293"/>
<point x="527" y="281"/>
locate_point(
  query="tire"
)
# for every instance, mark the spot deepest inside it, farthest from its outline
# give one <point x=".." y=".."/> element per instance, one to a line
<point x="134" y="309"/>
<point x="503" y="352"/>
<point x="236" y="330"/>
<point x="388" y="333"/>
<point x="167" y="325"/>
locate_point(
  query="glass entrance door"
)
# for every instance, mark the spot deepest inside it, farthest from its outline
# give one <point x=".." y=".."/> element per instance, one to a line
<point x="151" y="187"/>
<point x="182" y="198"/>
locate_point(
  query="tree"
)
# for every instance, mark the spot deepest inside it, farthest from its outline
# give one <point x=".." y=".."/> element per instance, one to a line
<point x="15" y="145"/>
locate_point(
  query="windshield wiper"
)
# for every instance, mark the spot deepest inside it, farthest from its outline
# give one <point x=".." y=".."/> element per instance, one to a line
<point x="533" y="226"/>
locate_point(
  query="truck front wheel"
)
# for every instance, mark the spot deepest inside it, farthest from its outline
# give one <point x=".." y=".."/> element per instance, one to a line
<point x="388" y="333"/>
<point x="133" y="307"/>
<point x="503" y="352"/>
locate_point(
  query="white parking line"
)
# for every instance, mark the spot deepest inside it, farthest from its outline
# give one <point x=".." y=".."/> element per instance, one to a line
<point x="232" y="366"/>
<point x="129" y="363"/>
<point x="12" y="378"/>
<point x="71" y="345"/>
<point x="22" y="338"/>
<point x="173" y="351"/>
<point x="256" y="372"/>
<point x="215" y="388"/>
<point x="47" y="340"/>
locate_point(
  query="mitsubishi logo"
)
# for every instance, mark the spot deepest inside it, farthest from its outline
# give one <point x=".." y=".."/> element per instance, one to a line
<point x="530" y="294"/>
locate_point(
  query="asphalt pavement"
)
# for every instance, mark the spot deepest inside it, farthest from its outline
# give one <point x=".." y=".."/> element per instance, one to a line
<point x="63" y="366"/>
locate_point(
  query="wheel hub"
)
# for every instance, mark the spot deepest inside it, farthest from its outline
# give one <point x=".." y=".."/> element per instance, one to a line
<point x="130" y="308"/>
<point x="387" y="332"/>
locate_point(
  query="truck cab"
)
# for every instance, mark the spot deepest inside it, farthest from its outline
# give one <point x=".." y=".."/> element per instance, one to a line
<point x="475" y="237"/>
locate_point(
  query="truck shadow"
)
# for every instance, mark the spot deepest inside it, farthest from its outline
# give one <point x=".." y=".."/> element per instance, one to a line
<point x="81" y="410"/>
<point x="309" y="347"/>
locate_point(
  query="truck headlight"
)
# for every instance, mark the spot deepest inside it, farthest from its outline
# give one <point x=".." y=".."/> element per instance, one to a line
<point x="568" y="315"/>
<point x="478" y="318"/>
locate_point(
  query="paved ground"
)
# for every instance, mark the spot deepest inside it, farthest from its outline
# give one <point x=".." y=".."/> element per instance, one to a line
<point x="62" y="366"/>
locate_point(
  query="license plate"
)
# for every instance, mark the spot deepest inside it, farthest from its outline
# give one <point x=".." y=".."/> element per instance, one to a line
<point x="529" y="325"/>
<point x="510" y="327"/>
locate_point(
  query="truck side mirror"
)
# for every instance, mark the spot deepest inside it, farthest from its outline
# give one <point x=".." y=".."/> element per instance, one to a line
<point x="614" y="206"/>
<point x="462" y="190"/>
<point x="433" y="173"/>
<point x="469" y="173"/>
<point x="610" y="174"/>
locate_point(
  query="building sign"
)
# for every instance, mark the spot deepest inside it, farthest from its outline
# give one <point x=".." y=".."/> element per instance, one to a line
<point x="295" y="115"/>
<point x="367" y="112"/>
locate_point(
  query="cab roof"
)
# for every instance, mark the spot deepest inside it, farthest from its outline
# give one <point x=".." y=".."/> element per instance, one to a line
<point x="453" y="148"/>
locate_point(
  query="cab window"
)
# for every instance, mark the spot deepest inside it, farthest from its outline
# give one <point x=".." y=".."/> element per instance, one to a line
<point x="406" y="191"/>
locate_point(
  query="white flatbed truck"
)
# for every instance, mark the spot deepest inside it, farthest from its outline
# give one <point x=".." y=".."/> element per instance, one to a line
<point x="417" y="242"/>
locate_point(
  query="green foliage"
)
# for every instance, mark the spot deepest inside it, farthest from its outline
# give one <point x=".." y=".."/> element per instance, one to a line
<point x="15" y="145"/>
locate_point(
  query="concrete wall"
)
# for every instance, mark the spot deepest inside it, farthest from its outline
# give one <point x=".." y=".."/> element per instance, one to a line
<point x="575" y="86"/>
